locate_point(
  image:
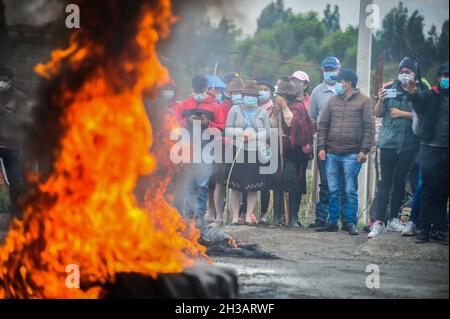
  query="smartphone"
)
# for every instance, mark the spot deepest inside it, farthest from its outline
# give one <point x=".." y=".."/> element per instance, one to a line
<point x="391" y="94"/>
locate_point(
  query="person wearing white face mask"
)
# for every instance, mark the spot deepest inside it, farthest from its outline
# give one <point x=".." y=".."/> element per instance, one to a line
<point x="13" y="115"/>
<point x="398" y="147"/>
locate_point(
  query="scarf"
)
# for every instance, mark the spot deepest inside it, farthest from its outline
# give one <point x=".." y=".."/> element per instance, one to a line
<point x="302" y="128"/>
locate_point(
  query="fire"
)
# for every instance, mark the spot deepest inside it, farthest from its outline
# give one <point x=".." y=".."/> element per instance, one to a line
<point x="86" y="213"/>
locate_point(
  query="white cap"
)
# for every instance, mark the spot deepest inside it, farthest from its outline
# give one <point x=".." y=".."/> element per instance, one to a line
<point x="300" y="75"/>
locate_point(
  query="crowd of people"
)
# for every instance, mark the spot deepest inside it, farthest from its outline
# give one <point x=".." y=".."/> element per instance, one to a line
<point x="335" y="123"/>
<point x="412" y="141"/>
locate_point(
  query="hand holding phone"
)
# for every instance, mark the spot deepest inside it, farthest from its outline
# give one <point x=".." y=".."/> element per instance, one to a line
<point x="391" y="94"/>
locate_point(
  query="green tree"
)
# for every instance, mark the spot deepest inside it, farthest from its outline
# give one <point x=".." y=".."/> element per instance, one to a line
<point x="272" y="14"/>
<point x="331" y="19"/>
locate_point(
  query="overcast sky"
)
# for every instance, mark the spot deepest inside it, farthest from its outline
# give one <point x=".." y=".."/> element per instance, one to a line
<point x="434" y="11"/>
<point x="244" y="12"/>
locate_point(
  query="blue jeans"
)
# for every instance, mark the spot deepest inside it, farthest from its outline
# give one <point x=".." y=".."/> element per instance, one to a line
<point x="322" y="204"/>
<point x="342" y="175"/>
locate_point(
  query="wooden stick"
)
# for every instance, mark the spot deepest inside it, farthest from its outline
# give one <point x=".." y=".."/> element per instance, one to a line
<point x="214" y="76"/>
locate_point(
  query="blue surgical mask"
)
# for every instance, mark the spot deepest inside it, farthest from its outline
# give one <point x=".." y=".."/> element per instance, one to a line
<point x="250" y="101"/>
<point x="264" y="96"/>
<point x="444" y="83"/>
<point x="237" y="99"/>
<point x="339" y="89"/>
<point x="199" y="97"/>
<point x="219" y="98"/>
<point x="327" y="77"/>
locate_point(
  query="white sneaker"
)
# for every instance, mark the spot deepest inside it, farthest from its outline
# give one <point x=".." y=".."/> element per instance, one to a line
<point x="376" y="229"/>
<point x="395" y="225"/>
<point x="409" y="230"/>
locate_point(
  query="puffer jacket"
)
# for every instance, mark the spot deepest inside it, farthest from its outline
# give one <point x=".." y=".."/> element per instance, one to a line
<point x="347" y="125"/>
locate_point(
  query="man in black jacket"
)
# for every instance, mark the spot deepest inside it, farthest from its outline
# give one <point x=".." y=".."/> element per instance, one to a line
<point x="432" y="108"/>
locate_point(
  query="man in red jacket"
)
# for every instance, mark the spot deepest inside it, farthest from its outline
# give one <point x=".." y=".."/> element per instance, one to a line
<point x="201" y="108"/>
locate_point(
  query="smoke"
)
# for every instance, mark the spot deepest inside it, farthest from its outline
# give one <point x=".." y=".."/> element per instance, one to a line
<point x="215" y="9"/>
<point x="33" y="12"/>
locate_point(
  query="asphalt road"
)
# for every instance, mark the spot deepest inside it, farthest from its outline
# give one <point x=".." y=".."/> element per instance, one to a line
<point x="333" y="265"/>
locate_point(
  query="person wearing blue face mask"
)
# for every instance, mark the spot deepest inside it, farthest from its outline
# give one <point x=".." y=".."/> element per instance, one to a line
<point x="317" y="103"/>
<point x="432" y="108"/>
<point x="199" y="109"/>
<point x="346" y="136"/>
<point x="217" y="189"/>
<point x="250" y="124"/>
<point x="266" y="93"/>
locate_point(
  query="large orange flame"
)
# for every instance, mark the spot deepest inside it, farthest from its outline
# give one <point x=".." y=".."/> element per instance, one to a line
<point x="93" y="220"/>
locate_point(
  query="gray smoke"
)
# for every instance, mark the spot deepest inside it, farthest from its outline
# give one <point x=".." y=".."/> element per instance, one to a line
<point x="32" y="12"/>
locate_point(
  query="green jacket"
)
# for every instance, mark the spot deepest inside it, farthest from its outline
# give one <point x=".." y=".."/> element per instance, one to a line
<point x="397" y="134"/>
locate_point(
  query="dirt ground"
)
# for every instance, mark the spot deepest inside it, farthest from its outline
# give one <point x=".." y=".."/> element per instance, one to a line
<point x="333" y="265"/>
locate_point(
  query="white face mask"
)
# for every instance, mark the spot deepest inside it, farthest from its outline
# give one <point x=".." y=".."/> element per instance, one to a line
<point x="5" y="85"/>
<point x="405" y="78"/>
<point x="167" y="95"/>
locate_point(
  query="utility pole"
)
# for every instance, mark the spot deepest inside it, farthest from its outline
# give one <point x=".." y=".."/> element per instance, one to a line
<point x="363" y="66"/>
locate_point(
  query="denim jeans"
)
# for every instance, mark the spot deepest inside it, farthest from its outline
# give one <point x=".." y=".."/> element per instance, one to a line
<point x="342" y="175"/>
<point x="322" y="204"/>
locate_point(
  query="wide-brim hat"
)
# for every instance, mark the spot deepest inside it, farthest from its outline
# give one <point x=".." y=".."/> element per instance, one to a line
<point x="236" y="85"/>
<point x="251" y="87"/>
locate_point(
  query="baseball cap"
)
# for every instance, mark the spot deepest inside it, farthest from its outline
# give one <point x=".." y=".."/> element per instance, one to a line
<point x="331" y="62"/>
<point x="347" y="75"/>
<point x="300" y="75"/>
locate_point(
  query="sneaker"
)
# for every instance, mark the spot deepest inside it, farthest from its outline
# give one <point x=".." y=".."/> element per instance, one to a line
<point x="352" y="230"/>
<point x="376" y="229"/>
<point x="317" y="224"/>
<point x="423" y="237"/>
<point x="328" y="228"/>
<point x="439" y="236"/>
<point x="395" y="225"/>
<point x="409" y="230"/>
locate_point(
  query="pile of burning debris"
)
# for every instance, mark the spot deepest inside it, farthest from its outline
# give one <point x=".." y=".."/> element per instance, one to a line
<point x="91" y="126"/>
<point x="219" y="243"/>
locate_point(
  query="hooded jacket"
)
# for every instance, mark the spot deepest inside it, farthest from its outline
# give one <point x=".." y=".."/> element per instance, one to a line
<point x="432" y="107"/>
<point x="209" y="107"/>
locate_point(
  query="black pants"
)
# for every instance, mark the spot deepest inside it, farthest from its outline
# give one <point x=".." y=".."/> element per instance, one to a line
<point x="265" y="199"/>
<point x="295" y="198"/>
<point x="391" y="186"/>
<point x="14" y="172"/>
<point x="435" y="190"/>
